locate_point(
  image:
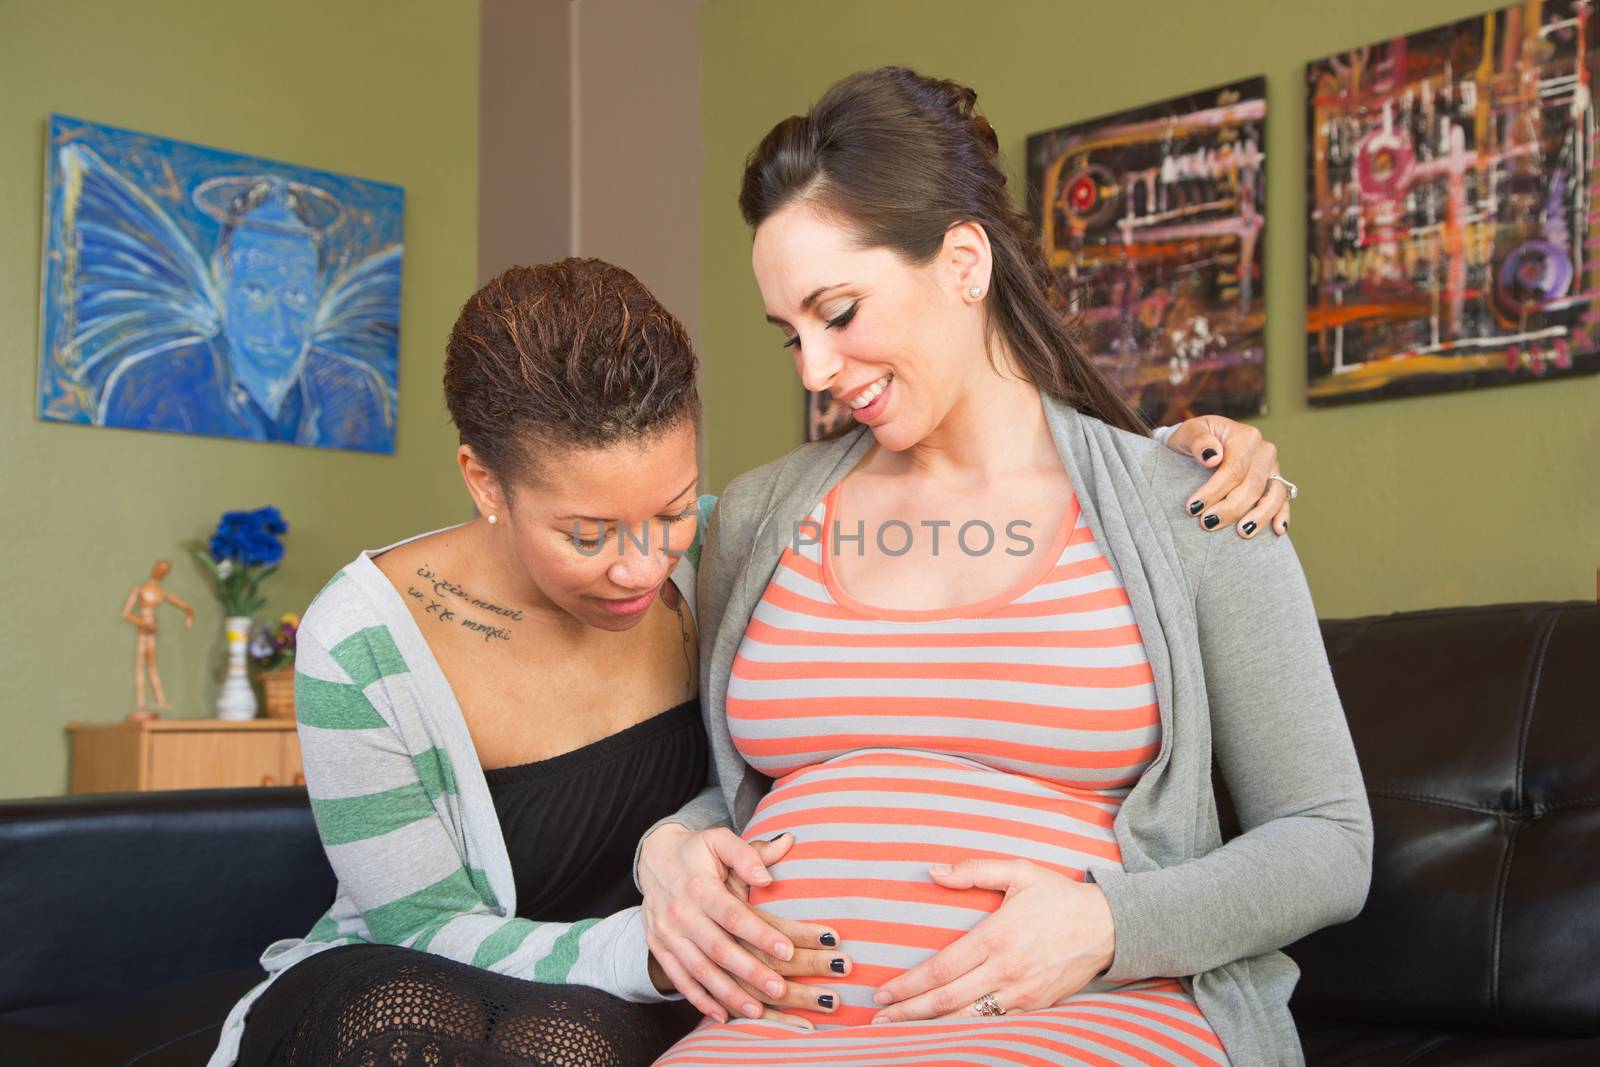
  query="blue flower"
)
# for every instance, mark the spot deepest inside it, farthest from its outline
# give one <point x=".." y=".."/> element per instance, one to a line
<point x="249" y="537"/>
<point x="260" y="548"/>
<point x="271" y="520"/>
<point x="224" y="545"/>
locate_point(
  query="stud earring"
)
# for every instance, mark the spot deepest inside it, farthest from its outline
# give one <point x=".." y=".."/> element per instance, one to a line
<point x="493" y="518"/>
<point x="975" y="291"/>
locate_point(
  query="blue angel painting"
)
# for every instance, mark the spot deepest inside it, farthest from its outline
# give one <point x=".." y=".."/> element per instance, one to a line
<point x="198" y="291"/>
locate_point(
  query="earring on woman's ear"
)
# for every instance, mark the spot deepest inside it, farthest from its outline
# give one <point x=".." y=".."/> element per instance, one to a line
<point x="493" y="518"/>
<point x="975" y="291"/>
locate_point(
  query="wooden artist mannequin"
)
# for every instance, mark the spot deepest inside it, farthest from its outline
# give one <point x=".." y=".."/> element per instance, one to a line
<point x="146" y="597"/>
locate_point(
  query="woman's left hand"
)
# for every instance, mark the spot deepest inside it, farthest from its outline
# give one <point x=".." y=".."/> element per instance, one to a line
<point x="1241" y="462"/>
<point x="1050" y="936"/>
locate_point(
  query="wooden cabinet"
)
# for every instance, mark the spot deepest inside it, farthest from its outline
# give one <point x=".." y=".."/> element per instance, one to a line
<point x="183" y="754"/>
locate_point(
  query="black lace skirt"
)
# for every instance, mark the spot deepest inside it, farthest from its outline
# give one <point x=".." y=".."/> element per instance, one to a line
<point x="383" y="1006"/>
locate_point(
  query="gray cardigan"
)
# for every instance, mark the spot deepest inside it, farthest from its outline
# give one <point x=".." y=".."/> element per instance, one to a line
<point x="1240" y="674"/>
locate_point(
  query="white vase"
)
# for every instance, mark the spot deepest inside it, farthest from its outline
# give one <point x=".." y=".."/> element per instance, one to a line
<point x="237" y="701"/>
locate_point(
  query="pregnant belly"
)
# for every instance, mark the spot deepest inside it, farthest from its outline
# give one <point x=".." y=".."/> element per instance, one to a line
<point x="868" y="825"/>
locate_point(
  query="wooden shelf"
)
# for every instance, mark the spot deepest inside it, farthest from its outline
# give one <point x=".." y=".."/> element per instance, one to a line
<point x="117" y="757"/>
<point x="167" y="725"/>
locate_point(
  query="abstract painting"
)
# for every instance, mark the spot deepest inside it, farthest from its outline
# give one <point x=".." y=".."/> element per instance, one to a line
<point x="1452" y="174"/>
<point x="193" y="290"/>
<point x="1154" y="220"/>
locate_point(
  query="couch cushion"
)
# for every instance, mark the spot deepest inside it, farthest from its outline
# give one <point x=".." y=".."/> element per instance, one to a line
<point x="1340" y="1044"/>
<point x="118" y="892"/>
<point x="1479" y="741"/>
<point x="167" y="1026"/>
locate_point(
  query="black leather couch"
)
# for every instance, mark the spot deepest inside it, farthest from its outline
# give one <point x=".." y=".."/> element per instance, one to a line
<point x="1478" y="731"/>
<point x="132" y="922"/>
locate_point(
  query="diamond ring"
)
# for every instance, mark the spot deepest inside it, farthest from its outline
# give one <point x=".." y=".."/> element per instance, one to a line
<point x="988" y="1006"/>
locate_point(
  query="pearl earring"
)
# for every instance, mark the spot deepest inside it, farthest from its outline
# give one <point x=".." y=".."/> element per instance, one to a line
<point x="493" y="518"/>
<point x="975" y="291"/>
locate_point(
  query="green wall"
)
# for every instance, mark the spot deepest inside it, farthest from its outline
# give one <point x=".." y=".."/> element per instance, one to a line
<point x="1451" y="499"/>
<point x="379" y="90"/>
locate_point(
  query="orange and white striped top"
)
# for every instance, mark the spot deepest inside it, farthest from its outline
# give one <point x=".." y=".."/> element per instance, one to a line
<point x="1010" y="728"/>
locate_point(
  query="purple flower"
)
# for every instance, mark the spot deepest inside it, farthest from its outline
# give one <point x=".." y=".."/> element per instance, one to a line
<point x="261" y="644"/>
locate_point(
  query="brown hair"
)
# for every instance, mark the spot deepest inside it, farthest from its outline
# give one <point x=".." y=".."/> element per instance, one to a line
<point x="903" y="158"/>
<point x="570" y="354"/>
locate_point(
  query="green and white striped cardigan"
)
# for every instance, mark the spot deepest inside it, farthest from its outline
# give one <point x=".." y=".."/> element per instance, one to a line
<point x="405" y="815"/>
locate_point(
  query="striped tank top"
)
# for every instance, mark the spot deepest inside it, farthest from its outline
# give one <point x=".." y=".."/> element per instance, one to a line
<point x="1012" y="728"/>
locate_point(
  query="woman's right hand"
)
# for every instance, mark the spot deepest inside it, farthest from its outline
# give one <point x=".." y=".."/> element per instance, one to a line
<point x="691" y="920"/>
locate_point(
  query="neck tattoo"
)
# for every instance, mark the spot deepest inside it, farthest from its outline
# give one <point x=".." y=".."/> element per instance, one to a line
<point x="688" y="663"/>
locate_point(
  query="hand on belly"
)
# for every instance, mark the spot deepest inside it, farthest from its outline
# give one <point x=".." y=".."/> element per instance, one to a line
<point x="870" y="826"/>
<point x="889" y="914"/>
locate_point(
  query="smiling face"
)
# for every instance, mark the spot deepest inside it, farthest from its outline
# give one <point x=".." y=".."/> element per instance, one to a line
<point x="891" y="340"/>
<point x="599" y="530"/>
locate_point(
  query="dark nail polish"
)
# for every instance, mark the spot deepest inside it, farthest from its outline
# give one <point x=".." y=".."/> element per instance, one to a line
<point x="829" y="940"/>
<point x="1207" y="454"/>
<point x="1249" y="527"/>
<point x="1210" y="522"/>
<point x="825" y="1002"/>
<point x="836" y="965"/>
<point x="1196" y="507"/>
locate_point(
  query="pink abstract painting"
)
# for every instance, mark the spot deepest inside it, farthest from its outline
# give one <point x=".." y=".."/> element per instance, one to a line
<point x="1154" y="221"/>
<point x="1451" y="183"/>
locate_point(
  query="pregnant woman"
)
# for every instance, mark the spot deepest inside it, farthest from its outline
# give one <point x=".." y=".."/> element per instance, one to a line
<point x="491" y="714"/>
<point x="992" y="756"/>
